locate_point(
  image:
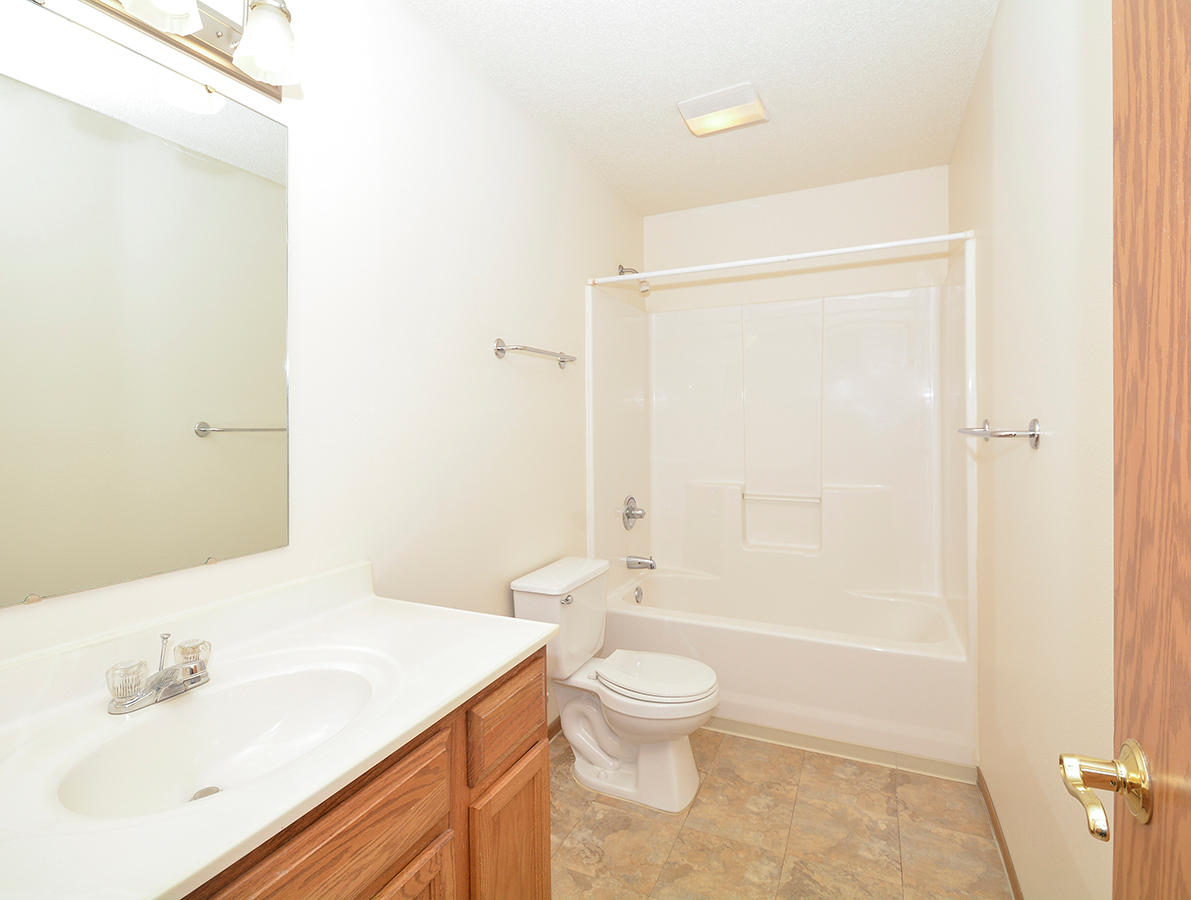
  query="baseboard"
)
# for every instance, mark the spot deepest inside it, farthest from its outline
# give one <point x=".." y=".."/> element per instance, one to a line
<point x="996" y="824"/>
<point x="904" y="761"/>
<point x="554" y="727"/>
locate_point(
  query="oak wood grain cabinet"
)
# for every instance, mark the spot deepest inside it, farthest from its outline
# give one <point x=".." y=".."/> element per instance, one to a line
<point x="429" y="877"/>
<point x="510" y="835"/>
<point x="462" y="810"/>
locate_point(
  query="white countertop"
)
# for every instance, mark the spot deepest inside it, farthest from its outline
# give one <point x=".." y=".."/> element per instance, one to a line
<point x="421" y="662"/>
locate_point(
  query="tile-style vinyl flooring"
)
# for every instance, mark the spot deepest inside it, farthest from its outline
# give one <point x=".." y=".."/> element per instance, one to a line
<point x="775" y="822"/>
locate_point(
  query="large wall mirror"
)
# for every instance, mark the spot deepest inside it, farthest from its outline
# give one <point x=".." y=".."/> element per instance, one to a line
<point x="142" y="291"/>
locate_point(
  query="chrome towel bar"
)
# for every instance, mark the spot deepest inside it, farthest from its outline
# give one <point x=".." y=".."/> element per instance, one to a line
<point x="501" y="348"/>
<point x="202" y="429"/>
<point x="1033" y="432"/>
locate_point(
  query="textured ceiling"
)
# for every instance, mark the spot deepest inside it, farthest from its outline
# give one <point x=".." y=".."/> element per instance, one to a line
<point x="854" y="88"/>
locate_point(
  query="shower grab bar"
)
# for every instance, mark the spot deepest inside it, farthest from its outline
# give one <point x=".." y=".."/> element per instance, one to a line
<point x="1033" y="432"/>
<point x="202" y="429"/>
<point x="501" y="348"/>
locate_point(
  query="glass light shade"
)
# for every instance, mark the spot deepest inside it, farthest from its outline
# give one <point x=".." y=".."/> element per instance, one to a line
<point x="173" y="16"/>
<point x="266" y="52"/>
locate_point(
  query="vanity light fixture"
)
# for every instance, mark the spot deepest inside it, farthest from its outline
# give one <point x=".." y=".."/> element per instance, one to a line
<point x="254" y="45"/>
<point x="723" y="110"/>
<point x="266" y="51"/>
<point x="170" y="16"/>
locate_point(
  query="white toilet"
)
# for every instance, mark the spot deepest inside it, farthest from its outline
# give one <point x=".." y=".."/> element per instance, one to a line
<point x="628" y="715"/>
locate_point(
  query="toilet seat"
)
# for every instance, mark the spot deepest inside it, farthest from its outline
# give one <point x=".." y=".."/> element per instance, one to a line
<point x="656" y="677"/>
<point x="649" y="698"/>
<point x="652" y="709"/>
<point x="643" y="706"/>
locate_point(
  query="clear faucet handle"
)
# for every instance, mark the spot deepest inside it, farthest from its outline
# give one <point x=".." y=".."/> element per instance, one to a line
<point x="192" y="651"/>
<point x="127" y="678"/>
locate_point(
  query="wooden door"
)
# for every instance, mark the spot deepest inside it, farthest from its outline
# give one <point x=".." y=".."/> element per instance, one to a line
<point x="1152" y="320"/>
<point x="509" y="832"/>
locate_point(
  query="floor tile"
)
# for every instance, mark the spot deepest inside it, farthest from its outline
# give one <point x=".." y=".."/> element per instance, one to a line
<point x="804" y="878"/>
<point x="941" y="863"/>
<point x="838" y="849"/>
<point x="706" y="746"/>
<point x="873" y="788"/>
<point x="618" y="847"/>
<point x="567" y="884"/>
<point x="947" y="844"/>
<point x="759" y="762"/>
<point x="568" y="799"/>
<point x="707" y="866"/>
<point x="754" y="813"/>
<point x="771" y="820"/>
<point x="942" y="804"/>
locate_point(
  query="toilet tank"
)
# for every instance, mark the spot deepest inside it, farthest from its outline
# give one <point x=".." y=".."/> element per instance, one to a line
<point x="572" y="594"/>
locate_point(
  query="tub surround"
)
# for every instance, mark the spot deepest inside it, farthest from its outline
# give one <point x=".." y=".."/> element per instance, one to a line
<point x="811" y="508"/>
<point x="417" y="664"/>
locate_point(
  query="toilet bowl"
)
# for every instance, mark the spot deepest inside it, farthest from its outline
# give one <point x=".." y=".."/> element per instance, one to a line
<point x="627" y="716"/>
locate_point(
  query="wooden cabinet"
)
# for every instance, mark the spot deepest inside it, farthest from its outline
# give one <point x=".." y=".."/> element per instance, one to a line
<point x="510" y="832"/>
<point x="429" y="877"/>
<point x="463" y="810"/>
<point x="500" y="726"/>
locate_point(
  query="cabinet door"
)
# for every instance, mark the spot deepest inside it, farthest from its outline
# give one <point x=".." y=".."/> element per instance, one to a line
<point x="429" y="877"/>
<point x="352" y="847"/>
<point x="510" y="832"/>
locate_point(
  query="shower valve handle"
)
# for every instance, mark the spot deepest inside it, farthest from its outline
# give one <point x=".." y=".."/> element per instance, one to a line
<point x="631" y="513"/>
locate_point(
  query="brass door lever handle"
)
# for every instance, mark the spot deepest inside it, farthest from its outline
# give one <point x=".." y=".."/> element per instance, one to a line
<point x="1128" y="775"/>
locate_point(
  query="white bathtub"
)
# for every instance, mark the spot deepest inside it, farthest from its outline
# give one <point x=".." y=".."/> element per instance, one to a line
<point x="887" y="673"/>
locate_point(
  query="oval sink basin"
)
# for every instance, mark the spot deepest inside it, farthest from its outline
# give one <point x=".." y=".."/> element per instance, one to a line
<point x="211" y="740"/>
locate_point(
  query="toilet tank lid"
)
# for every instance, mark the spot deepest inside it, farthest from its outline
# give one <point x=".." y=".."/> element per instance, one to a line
<point x="562" y="576"/>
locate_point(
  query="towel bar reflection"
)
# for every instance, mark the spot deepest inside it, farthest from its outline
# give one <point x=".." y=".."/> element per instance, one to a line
<point x="202" y="429"/>
<point x="1033" y="432"/>
<point x="501" y="348"/>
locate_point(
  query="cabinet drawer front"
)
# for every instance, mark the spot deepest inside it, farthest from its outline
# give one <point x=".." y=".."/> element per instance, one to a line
<point x="352" y="850"/>
<point x="505" y="721"/>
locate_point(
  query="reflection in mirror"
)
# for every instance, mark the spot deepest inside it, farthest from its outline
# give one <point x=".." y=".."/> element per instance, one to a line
<point x="142" y="290"/>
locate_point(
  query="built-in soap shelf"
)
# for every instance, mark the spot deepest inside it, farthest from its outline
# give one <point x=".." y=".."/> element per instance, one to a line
<point x="780" y="522"/>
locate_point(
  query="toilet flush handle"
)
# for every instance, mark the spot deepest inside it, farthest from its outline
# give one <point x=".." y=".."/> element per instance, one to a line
<point x="567" y="600"/>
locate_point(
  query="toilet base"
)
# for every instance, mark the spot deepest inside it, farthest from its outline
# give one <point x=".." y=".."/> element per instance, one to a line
<point x="662" y="776"/>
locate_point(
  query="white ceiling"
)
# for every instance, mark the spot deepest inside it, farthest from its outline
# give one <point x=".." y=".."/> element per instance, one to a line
<point x="854" y="88"/>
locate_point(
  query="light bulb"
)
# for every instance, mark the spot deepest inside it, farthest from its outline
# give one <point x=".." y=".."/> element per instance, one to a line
<point x="266" y="52"/>
<point x="172" y="16"/>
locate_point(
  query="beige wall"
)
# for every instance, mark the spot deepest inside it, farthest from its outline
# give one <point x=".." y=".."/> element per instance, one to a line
<point x="1032" y="173"/>
<point x="428" y="216"/>
<point x="871" y="210"/>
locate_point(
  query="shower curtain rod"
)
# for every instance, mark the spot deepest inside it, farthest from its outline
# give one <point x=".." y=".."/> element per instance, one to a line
<point x="770" y="260"/>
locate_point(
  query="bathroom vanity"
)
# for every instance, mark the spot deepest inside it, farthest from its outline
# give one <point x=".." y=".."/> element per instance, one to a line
<point x="346" y="745"/>
<point x="461" y="810"/>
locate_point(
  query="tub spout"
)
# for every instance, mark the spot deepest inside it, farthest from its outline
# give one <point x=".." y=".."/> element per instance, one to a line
<point x="640" y="562"/>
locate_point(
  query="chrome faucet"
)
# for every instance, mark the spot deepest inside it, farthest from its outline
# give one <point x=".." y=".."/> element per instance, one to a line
<point x="133" y="688"/>
<point x="640" y="562"/>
